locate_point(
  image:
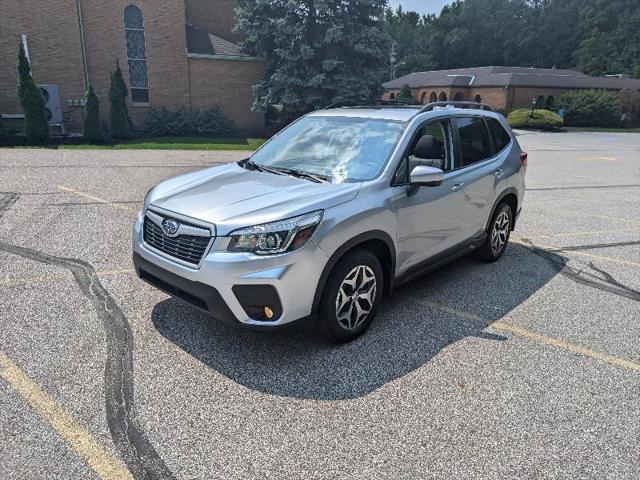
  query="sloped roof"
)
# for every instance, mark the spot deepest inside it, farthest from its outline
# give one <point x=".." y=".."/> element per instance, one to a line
<point x="496" y="76"/>
<point x="202" y="42"/>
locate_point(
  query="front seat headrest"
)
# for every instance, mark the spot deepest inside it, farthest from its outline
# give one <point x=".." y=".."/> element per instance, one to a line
<point x="429" y="148"/>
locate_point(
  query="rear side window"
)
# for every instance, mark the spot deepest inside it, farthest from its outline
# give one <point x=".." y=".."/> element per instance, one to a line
<point x="500" y="135"/>
<point x="474" y="140"/>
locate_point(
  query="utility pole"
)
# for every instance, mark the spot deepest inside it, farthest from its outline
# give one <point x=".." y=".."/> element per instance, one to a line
<point x="393" y="58"/>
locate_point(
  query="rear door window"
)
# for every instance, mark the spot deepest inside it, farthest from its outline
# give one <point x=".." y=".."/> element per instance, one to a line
<point x="475" y="145"/>
<point x="500" y="135"/>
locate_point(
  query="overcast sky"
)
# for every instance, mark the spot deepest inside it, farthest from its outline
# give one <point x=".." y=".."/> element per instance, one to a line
<point x="420" y="6"/>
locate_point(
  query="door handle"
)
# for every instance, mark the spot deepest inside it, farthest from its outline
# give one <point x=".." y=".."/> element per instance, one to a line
<point x="457" y="187"/>
<point x="499" y="173"/>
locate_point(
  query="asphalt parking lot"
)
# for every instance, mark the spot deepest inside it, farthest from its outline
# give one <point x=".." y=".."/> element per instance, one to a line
<point x="526" y="368"/>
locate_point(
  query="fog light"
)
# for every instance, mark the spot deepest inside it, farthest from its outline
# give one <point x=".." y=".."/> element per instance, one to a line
<point x="268" y="313"/>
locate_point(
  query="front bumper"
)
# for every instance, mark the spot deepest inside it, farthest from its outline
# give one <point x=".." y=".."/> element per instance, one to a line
<point x="233" y="287"/>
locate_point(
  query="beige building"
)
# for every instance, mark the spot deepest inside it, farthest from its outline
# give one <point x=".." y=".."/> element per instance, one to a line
<point x="503" y="88"/>
<point x="173" y="53"/>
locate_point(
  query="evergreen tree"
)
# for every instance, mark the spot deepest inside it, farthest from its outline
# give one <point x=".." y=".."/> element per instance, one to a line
<point x="316" y="51"/>
<point x="36" y="126"/>
<point x="92" y="127"/>
<point x="119" y="121"/>
<point x="405" y="93"/>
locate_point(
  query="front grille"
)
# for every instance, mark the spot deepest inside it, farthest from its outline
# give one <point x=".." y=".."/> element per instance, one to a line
<point x="187" y="248"/>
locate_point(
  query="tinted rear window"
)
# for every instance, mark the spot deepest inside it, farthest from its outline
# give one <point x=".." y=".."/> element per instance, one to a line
<point x="474" y="140"/>
<point x="500" y="135"/>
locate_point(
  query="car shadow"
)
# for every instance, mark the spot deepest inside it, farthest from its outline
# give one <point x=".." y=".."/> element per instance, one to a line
<point x="407" y="332"/>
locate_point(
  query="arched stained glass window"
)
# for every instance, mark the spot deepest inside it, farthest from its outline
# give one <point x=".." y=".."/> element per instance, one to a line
<point x="136" y="55"/>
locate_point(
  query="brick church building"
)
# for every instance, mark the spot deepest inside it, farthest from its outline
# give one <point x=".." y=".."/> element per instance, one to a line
<point x="507" y="88"/>
<point x="173" y="53"/>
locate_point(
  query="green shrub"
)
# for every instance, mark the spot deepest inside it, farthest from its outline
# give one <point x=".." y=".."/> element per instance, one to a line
<point x="92" y="126"/>
<point x="119" y="121"/>
<point x="539" y="120"/>
<point x="185" y="122"/>
<point x="34" y="106"/>
<point x="591" y="108"/>
<point x="405" y="93"/>
<point x="4" y="135"/>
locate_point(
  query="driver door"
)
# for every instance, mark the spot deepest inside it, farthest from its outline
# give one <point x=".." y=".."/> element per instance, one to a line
<point x="429" y="219"/>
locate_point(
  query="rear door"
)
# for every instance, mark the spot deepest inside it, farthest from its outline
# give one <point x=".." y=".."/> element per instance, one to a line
<point x="477" y="172"/>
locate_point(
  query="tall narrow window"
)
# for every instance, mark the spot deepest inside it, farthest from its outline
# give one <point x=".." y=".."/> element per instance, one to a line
<point x="136" y="55"/>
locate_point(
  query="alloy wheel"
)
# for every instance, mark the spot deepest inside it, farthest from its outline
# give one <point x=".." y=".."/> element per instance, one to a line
<point x="356" y="297"/>
<point x="500" y="232"/>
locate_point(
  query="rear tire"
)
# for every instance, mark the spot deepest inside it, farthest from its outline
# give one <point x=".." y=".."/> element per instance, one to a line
<point x="351" y="296"/>
<point x="498" y="235"/>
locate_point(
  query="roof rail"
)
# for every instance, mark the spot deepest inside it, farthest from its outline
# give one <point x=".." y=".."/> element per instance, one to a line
<point x="368" y="103"/>
<point x="346" y="103"/>
<point x="457" y="104"/>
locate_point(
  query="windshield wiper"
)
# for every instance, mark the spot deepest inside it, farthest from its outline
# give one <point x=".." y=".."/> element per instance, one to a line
<point x="251" y="165"/>
<point x="314" y="177"/>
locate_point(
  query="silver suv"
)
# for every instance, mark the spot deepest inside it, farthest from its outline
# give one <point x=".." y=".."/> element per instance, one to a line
<point x="333" y="212"/>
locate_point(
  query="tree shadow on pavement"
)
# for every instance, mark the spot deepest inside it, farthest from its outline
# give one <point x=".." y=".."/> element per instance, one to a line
<point x="406" y="334"/>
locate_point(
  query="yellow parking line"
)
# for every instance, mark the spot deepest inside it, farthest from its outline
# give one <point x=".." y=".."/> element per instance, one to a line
<point x="537" y="337"/>
<point x="106" y="465"/>
<point x="571" y="347"/>
<point x="52" y="278"/>
<point x="608" y="159"/>
<point x="552" y="249"/>
<point x="97" y="199"/>
<point x="610" y="218"/>
<point x="593" y="232"/>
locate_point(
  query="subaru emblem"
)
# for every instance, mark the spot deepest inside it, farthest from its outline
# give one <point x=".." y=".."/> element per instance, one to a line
<point x="170" y="227"/>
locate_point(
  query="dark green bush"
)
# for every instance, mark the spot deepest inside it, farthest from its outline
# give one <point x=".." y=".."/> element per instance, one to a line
<point x="4" y="135"/>
<point x="185" y="122"/>
<point x="92" y="127"/>
<point x="119" y="121"/>
<point x="405" y="93"/>
<point x="36" y="125"/>
<point x="591" y="108"/>
<point x="539" y="120"/>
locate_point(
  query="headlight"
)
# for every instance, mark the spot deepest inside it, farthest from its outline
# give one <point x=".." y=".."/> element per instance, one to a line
<point x="277" y="237"/>
<point x="146" y="199"/>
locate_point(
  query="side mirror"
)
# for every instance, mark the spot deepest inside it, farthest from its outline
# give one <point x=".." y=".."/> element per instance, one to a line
<point x="423" y="176"/>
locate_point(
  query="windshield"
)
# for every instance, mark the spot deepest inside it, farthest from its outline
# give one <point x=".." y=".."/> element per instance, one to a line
<point x="343" y="149"/>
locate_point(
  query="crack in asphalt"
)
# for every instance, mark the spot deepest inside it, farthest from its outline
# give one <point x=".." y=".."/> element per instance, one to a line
<point x="599" y="245"/>
<point x="7" y="201"/>
<point x="602" y="280"/>
<point x="83" y="204"/>
<point x="130" y="441"/>
<point x="581" y="187"/>
<point x="102" y="167"/>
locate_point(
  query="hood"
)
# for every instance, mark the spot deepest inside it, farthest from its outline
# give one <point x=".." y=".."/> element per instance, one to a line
<point x="231" y="197"/>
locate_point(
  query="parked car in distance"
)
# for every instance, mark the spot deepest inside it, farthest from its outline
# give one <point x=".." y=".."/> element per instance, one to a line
<point x="333" y="212"/>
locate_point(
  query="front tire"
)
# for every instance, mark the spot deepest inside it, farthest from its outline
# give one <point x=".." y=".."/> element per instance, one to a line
<point x="498" y="235"/>
<point x="351" y="297"/>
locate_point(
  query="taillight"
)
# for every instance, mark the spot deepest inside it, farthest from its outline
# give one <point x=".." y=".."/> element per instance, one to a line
<point x="524" y="158"/>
